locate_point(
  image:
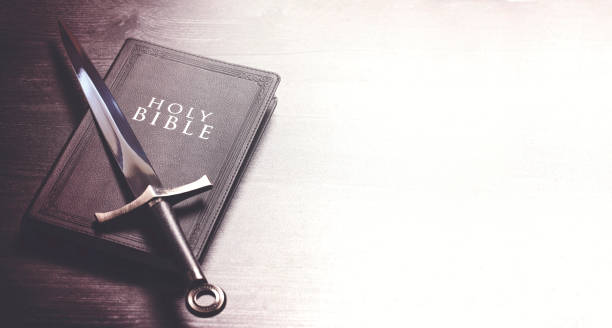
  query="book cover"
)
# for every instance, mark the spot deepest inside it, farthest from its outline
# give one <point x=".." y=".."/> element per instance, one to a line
<point x="193" y="116"/>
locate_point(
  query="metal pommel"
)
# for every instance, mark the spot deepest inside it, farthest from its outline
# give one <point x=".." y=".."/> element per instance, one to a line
<point x="203" y="288"/>
<point x="152" y="195"/>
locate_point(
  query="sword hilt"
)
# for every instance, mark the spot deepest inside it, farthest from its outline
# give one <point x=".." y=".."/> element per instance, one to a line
<point x="153" y="194"/>
<point x="158" y="200"/>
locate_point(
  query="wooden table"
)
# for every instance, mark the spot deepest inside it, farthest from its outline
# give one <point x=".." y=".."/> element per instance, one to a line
<point x="430" y="164"/>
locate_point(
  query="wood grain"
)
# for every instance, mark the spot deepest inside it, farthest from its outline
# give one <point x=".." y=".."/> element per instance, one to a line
<point x="430" y="164"/>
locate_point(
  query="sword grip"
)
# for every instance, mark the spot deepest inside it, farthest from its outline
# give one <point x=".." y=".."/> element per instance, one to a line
<point x="162" y="211"/>
<point x="176" y="239"/>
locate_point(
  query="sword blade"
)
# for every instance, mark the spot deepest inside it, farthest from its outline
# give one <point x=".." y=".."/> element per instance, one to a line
<point x="126" y="150"/>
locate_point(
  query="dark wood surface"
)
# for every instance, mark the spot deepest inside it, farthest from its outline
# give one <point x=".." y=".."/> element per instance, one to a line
<point x="430" y="164"/>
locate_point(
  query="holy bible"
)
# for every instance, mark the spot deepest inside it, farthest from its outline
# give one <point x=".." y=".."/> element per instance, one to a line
<point x="193" y="116"/>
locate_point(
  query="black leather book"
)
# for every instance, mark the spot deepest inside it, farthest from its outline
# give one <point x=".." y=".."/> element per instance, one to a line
<point x="193" y="116"/>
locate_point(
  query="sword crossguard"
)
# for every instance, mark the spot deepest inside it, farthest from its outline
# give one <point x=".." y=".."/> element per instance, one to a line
<point x="152" y="195"/>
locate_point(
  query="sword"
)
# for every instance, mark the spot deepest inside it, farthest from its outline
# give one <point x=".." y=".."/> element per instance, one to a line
<point x="141" y="177"/>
